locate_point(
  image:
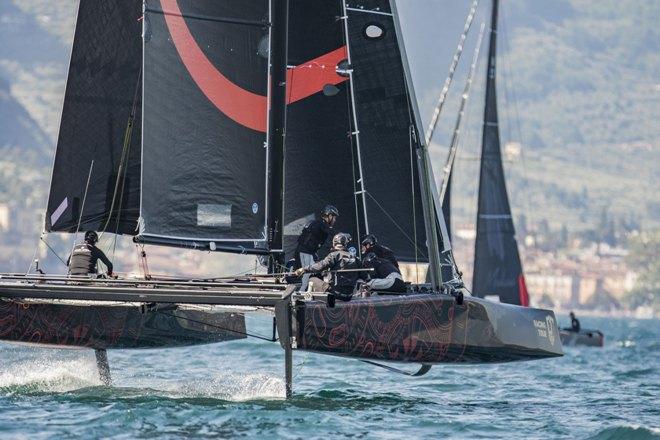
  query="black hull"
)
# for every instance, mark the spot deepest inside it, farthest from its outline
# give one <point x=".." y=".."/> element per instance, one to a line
<point x="589" y="338"/>
<point x="428" y="329"/>
<point x="114" y="326"/>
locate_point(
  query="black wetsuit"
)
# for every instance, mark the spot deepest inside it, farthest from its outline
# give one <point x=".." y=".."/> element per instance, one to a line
<point x="575" y="325"/>
<point x="313" y="236"/>
<point x="343" y="283"/>
<point x="384" y="268"/>
<point x="384" y="253"/>
<point x="82" y="260"/>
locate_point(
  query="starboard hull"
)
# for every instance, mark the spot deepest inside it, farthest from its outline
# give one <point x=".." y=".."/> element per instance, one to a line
<point x="428" y="329"/>
<point x="589" y="338"/>
<point x="114" y="326"/>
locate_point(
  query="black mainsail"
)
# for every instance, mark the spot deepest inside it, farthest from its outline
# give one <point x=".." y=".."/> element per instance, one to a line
<point x="204" y="149"/>
<point x="100" y="123"/>
<point x="497" y="266"/>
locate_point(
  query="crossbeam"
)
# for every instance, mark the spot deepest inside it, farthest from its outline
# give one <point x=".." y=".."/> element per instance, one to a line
<point x="140" y="282"/>
<point x="248" y="296"/>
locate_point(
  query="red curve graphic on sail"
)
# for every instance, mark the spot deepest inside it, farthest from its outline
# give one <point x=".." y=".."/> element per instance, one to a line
<point x="247" y="108"/>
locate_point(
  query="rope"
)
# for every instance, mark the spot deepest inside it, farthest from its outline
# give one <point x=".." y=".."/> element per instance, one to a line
<point x="452" y="70"/>
<point x="52" y="250"/>
<point x="507" y="77"/>
<point x="252" y="335"/>
<point x="121" y="174"/>
<point x="393" y="221"/>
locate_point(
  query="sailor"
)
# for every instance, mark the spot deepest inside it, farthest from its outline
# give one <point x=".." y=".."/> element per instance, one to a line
<point x="385" y="277"/>
<point x="82" y="260"/>
<point x="575" y="324"/>
<point x="370" y="245"/>
<point x="341" y="284"/>
<point x="313" y="236"/>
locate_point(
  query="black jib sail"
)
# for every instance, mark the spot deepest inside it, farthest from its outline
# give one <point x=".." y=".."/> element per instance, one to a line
<point x="387" y="136"/>
<point x="351" y="129"/>
<point x="100" y="123"/>
<point x="204" y="152"/>
<point x="321" y="155"/>
<point x="497" y="267"/>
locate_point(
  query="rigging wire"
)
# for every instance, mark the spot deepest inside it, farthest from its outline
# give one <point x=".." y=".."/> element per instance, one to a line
<point x="509" y="77"/>
<point x="453" y="149"/>
<point x="124" y="154"/>
<point x="51" y="249"/>
<point x="82" y="207"/>
<point x="452" y="69"/>
<point x="393" y="221"/>
<point x="252" y="335"/>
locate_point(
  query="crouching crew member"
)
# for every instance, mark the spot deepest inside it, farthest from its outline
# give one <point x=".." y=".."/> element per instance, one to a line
<point x="385" y="276"/>
<point x="370" y="245"/>
<point x="313" y="236"/>
<point x="341" y="284"/>
<point x="84" y="257"/>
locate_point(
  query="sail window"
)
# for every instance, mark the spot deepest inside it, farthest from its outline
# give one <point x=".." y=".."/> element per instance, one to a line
<point x="264" y="47"/>
<point x="374" y="31"/>
<point x="214" y="215"/>
<point x="330" y="90"/>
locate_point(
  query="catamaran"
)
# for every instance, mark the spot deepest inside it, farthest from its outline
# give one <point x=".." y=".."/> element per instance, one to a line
<point x="224" y="126"/>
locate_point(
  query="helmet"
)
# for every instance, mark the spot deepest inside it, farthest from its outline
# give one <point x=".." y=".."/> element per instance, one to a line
<point x="369" y="260"/>
<point x="91" y="237"/>
<point x="341" y="240"/>
<point x="369" y="240"/>
<point x="330" y="210"/>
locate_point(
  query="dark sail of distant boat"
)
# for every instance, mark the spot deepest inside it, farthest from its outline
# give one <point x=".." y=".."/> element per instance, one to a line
<point x="497" y="267"/>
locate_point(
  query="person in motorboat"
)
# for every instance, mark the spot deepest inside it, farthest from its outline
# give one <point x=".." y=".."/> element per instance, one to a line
<point x="313" y="236"/>
<point x="575" y="324"/>
<point x="84" y="258"/>
<point x="370" y="245"/>
<point x="385" y="277"/>
<point x="341" y="284"/>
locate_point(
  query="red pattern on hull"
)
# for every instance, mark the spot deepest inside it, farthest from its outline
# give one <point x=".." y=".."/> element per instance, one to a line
<point x="106" y="326"/>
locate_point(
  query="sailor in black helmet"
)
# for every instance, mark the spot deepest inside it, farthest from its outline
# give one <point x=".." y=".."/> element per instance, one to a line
<point x="313" y="236"/>
<point x="385" y="276"/>
<point x="370" y="245"/>
<point x="342" y="284"/>
<point x="82" y="260"/>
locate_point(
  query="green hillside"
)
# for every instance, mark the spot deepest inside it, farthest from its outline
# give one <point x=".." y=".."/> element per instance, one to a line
<point x="578" y="87"/>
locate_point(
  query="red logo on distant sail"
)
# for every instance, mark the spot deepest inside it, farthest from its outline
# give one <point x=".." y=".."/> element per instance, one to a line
<point x="522" y="291"/>
<point x="247" y="108"/>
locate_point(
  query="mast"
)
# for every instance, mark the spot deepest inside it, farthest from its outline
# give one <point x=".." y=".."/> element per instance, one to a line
<point x="279" y="12"/>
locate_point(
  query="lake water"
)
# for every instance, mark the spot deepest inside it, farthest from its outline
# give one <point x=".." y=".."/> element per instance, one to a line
<point x="236" y="390"/>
